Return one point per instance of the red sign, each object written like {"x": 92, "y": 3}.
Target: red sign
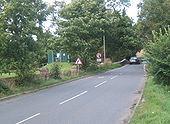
{"x": 99, "y": 55}
{"x": 78, "y": 61}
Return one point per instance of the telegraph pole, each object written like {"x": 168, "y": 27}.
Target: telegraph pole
{"x": 104, "y": 47}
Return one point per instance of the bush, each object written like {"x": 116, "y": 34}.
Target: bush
{"x": 158, "y": 54}
{"x": 4, "y": 88}
{"x": 55, "y": 71}
{"x": 92, "y": 67}
{"x": 25, "y": 79}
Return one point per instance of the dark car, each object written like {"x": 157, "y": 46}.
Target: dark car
{"x": 134, "y": 60}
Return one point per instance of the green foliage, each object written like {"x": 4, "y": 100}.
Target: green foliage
{"x": 155, "y": 108}
{"x": 92, "y": 67}
{"x": 158, "y": 53}
{"x": 55, "y": 71}
{"x": 121, "y": 37}
{"x": 64, "y": 66}
{"x": 81, "y": 28}
{"x": 20, "y": 35}
{"x": 153, "y": 16}
{"x": 117, "y": 4}
{"x": 26, "y": 78}
{"x": 3, "y": 88}
{"x": 84, "y": 24}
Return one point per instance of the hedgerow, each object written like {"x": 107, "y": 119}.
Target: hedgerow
{"x": 158, "y": 54}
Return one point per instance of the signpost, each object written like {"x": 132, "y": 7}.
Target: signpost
{"x": 78, "y": 63}
{"x": 99, "y": 57}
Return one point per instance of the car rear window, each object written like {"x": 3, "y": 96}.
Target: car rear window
{"x": 133, "y": 58}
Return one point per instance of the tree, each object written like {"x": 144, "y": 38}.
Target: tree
{"x": 21, "y": 29}
{"x": 153, "y": 16}
{"x": 81, "y": 28}
{"x": 121, "y": 37}
{"x": 83, "y": 23}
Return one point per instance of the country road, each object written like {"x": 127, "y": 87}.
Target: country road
{"x": 105, "y": 98}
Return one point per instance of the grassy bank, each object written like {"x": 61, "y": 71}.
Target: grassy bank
{"x": 155, "y": 108}
{"x": 42, "y": 83}
{"x": 64, "y": 66}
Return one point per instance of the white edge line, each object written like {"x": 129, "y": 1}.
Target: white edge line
{"x": 73, "y": 97}
{"x": 28, "y": 118}
{"x": 114, "y": 77}
{"x": 100, "y": 84}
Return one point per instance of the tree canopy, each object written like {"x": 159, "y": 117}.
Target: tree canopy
{"x": 153, "y": 16}
{"x": 83, "y": 23}
{"x": 20, "y": 32}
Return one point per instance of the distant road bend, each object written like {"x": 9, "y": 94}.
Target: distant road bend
{"x": 105, "y": 98}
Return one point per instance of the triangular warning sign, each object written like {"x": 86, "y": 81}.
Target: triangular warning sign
{"x": 78, "y": 61}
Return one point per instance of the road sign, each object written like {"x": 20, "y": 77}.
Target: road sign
{"x": 78, "y": 61}
{"x": 99, "y": 60}
{"x": 99, "y": 55}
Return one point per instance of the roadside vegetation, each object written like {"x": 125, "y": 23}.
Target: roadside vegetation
{"x": 155, "y": 33}
{"x": 155, "y": 106}
{"x": 79, "y": 31}
{"x": 10, "y": 88}
{"x": 81, "y": 27}
{"x": 158, "y": 54}
{"x": 64, "y": 66}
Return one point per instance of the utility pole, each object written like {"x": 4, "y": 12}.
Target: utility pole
{"x": 104, "y": 47}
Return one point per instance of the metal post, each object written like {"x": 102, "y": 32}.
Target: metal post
{"x": 104, "y": 47}
{"x": 78, "y": 69}
{"x": 52, "y": 57}
{"x": 60, "y": 56}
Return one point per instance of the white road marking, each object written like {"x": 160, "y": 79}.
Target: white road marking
{"x": 100, "y": 84}
{"x": 114, "y": 77}
{"x": 88, "y": 77}
{"x": 73, "y": 97}
{"x": 28, "y": 118}
{"x": 100, "y": 77}
{"x": 144, "y": 67}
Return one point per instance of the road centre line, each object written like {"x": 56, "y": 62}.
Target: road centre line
{"x": 114, "y": 77}
{"x": 100, "y": 77}
{"x": 100, "y": 84}
{"x": 73, "y": 97}
{"x": 28, "y": 118}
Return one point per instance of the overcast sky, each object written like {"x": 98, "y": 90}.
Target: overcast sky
{"x": 132, "y": 11}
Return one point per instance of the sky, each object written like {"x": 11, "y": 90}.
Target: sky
{"x": 132, "y": 11}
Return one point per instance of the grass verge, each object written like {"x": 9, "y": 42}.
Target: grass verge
{"x": 155, "y": 109}
{"x": 43, "y": 83}
{"x": 63, "y": 65}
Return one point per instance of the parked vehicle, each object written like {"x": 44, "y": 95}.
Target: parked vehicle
{"x": 134, "y": 60}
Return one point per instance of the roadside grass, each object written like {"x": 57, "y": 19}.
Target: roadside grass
{"x": 43, "y": 83}
{"x": 64, "y": 67}
{"x": 7, "y": 75}
{"x": 156, "y": 106}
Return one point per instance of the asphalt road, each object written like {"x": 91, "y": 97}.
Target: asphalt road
{"x": 105, "y": 98}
